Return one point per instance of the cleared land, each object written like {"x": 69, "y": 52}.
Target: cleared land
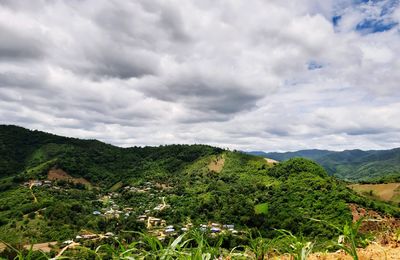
{"x": 217, "y": 165}
{"x": 59, "y": 174}
{"x": 385, "y": 191}
{"x": 44, "y": 247}
{"x": 271, "y": 161}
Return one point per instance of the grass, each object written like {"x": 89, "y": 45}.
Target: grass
{"x": 389, "y": 192}
{"x": 196, "y": 245}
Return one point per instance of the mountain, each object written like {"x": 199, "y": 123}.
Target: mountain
{"x": 310, "y": 154}
{"x": 53, "y": 188}
{"x": 350, "y": 165}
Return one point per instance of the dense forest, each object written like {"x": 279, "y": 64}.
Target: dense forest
{"x": 199, "y": 184}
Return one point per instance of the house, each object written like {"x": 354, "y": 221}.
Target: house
{"x": 203, "y": 227}
{"x": 96, "y": 213}
{"x": 215, "y": 230}
{"x": 154, "y": 221}
{"x": 141, "y": 218}
{"x": 184, "y": 229}
{"x": 67, "y": 242}
{"x": 229, "y": 226}
{"x": 89, "y": 236}
{"x": 169, "y": 230}
{"x": 215, "y": 225}
{"x": 37, "y": 183}
{"x": 109, "y": 234}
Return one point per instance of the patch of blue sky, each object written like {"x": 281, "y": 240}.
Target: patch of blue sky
{"x": 336, "y": 19}
{"x": 313, "y": 65}
{"x": 374, "y": 26}
{"x": 372, "y": 22}
{"x": 389, "y": 7}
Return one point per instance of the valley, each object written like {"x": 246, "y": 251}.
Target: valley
{"x": 79, "y": 195}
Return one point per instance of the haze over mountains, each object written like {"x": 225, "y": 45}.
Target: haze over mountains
{"x": 352, "y": 165}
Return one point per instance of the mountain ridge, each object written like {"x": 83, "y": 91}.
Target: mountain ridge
{"x": 350, "y": 165}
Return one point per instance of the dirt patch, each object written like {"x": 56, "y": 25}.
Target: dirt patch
{"x": 163, "y": 186}
{"x": 382, "y": 226}
{"x": 217, "y": 164}
{"x": 271, "y": 161}
{"x": 385, "y": 191}
{"x": 2, "y": 247}
{"x": 44, "y": 247}
{"x": 59, "y": 174}
{"x": 371, "y": 252}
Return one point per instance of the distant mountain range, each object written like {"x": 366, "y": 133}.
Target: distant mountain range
{"x": 351, "y": 165}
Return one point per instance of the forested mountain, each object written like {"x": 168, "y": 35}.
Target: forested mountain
{"x": 112, "y": 189}
{"x": 352, "y": 165}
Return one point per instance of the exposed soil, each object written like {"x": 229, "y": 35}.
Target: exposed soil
{"x": 385, "y": 191}
{"x": 59, "y": 174}
{"x": 162, "y": 186}
{"x": 217, "y": 165}
{"x": 371, "y": 252}
{"x": 44, "y": 247}
{"x": 271, "y": 161}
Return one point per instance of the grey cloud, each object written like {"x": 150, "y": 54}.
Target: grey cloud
{"x": 27, "y": 80}
{"x": 232, "y": 74}
{"x": 17, "y": 46}
{"x": 110, "y": 62}
{"x": 365, "y": 131}
{"x": 205, "y": 93}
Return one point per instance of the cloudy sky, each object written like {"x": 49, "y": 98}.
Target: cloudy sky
{"x": 270, "y": 75}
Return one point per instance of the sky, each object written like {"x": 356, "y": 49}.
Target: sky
{"x": 276, "y": 75}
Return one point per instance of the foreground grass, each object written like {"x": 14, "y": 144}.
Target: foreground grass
{"x": 196, "y": 245}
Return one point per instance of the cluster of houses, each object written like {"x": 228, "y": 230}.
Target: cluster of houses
{"x": 88, "y": 237}
{"x": 159, "y": 227}
{"x": 216, "y": 228}
{"x": 148, "y": 187}
{"x": 113, "y": 210}
{"x": 38, "y": 183}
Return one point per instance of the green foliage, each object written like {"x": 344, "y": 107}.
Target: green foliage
{"x": 247, "y": 192}
{"x": 261, "y": 208}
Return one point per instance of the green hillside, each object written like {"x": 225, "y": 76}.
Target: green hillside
{"x": 179, "y": 184}
{"x": 351, "y": 165}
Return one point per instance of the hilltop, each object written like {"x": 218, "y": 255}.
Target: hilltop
{"x": 351, "y": 165}
{"x": 54, "y": 188}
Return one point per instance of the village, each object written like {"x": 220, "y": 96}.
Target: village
{"x": 154, "y": 225}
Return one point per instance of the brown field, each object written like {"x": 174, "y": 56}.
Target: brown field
{"x": 385, "y": 191}
{"x": 271, "y": 161}
{"x": 371, "y": 252}
{"x": 44, "y": 247}
{"x": 59, "y": 174}
{"x": 217, "y": 165}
